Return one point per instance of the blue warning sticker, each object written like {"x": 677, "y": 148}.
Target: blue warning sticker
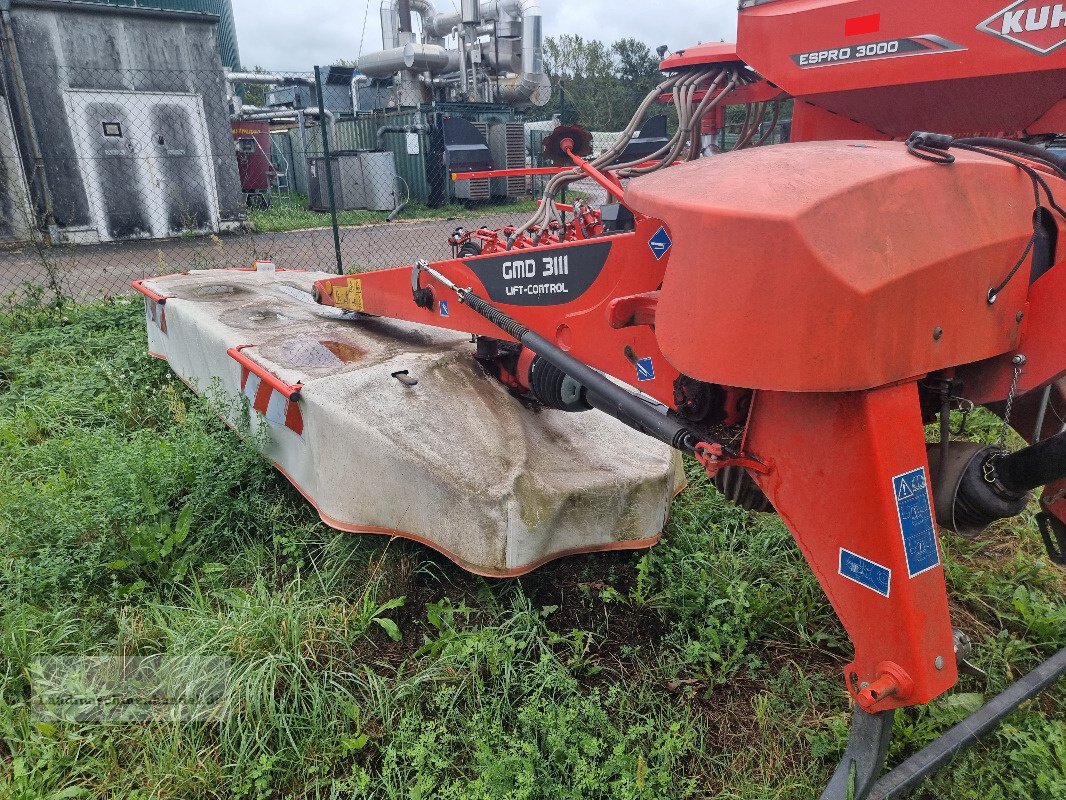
{"x": 444, "y": 308}
{"x": 661, "y": 243}
{"x": 865, "y": 572}
{"x": 645, "y": 370}
{"x": 916, "y": 521}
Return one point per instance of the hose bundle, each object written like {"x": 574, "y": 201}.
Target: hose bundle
{"x": 684, "y": 88}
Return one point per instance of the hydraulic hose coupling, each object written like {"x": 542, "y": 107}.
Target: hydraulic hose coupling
{"x": 892, "y": 681}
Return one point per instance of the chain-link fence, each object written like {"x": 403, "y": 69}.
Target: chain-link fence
{"x": 110, "y": 175}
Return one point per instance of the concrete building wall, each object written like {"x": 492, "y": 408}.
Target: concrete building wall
{"x": 223, "y": 9}
{"x": 136, "y": 59}
{"x": 15, "y": 214}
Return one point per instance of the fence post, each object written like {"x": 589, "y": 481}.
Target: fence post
{"x": 324, "y": 128}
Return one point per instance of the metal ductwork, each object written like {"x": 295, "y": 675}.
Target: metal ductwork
{"x": 264, "y": 78}
{"x": 390, "y": 22}
{"x": 532, "y": 85}
{"x": 471, "y": 10}
{"x": 527, "y": 84}
{"x": 430, "y": 58}
{"x": 442, "y": 24}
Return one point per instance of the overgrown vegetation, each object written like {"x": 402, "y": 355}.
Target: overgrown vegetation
{"x": 290, "y": 213}
{"x": 132, "y": 521}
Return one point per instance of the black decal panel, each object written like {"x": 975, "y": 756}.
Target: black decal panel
{"x": 541, "y": 277}
{"x": 870, "y": 51}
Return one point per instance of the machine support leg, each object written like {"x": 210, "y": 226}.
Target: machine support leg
{"x": 849, "y": 476}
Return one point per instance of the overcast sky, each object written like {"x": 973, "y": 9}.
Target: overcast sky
{"x": 287, "y": 35}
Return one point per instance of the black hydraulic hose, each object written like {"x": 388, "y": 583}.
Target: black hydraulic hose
{"x": 1033, "y": 466}
{"x": 1020, "y": 148}
{"x": 603, "y": 393}
{"x": 924, "y": 763}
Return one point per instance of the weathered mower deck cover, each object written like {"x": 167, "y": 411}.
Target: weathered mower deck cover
{"x": 454, "y": 462}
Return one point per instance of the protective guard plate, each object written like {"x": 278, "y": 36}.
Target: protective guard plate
{"x": 454, "y": 462}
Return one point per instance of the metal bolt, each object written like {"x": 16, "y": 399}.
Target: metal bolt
{"x": 1020, "y": 316}
{"x": 1019, "y": 360}
{"x": 938, "y": 332}
{"x": 939, "y": 663}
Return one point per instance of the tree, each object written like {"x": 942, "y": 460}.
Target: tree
{"x": 604, "y": 84}
{"x": 253, "y": 94}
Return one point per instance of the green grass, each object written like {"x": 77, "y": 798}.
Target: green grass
{"x": 291, "y": 213}
{"x": 132, "y": 521}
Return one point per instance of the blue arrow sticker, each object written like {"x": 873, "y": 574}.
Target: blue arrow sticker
{"x": 645, "y": 370}
{"x": 660, "y": 244}
{"x": 865, "y": 572}
{"x": 444, "y": 308}
{"x": 916, "y": 521}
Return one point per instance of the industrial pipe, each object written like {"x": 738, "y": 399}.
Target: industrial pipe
{"x": 415, "y": 57}
{"x": 357, "y": 81}
{"x": 269, "y": 115}
{"x": 403, "y": 10}
{"x": 442, "y": 24}
{"x": 264, "y": 78}
{"x": 531, "y": 85}
{"x": 390, "y": 21}
{"x": 258, "y": 112}
{"x": 384, "y": 129}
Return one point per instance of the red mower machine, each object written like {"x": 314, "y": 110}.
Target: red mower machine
{"x": 794, "y": 315}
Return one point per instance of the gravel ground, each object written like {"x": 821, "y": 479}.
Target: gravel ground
{"x": 91, "y": 271}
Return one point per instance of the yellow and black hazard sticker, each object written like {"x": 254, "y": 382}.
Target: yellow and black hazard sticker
{"x": 349, "y": 296}
{"x": 355, "y": 294}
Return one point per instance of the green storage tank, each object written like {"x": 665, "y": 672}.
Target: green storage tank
{"x": 223, "y": 9}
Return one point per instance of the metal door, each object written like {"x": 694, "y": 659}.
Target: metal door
{"x": 145, "y": 158}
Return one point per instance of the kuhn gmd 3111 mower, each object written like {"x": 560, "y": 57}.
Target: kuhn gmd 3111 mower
{"x": 794, "y": 315}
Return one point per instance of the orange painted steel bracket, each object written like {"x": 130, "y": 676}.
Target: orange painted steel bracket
{"x": 290, "y": 391}
{"x": 589, "y": 275}
{"x": 714, "y": 458}
{"x": 607, "y": 181}
{"x": 851, "y": 483}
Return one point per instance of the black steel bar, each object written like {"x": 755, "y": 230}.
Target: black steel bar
{"x": 939, "y": 754}
{"x": 329, "y": 169}
{"x": 864, "y": 757}
{"x": 603, "y": 393}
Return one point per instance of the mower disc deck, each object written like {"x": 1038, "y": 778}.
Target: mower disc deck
{"x": 390, "y": 427}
